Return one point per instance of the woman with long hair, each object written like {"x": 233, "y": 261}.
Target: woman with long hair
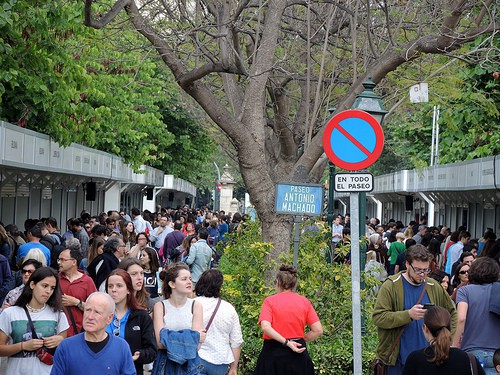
{"x": 127, "y": 230}
{"x": 283, "y": 318}
{"x": 131, "y": 321}
{"x": 178, "y": 312}
{"x": 460, "y": 278}
{"x": 96, "y": 248}
{"x": 151, "y": 264}
{"x": 40, "y": 302}
{"x": 438, "y": 358}
{"x": 136, "y": 271}
{"x": 186, "y": 245}
{"x": 443, "y": 278}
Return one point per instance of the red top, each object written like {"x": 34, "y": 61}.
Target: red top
{"x": 288, "y": 314}
{"x": 80, "y": 288}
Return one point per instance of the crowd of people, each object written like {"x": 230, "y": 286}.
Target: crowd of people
{"x": 115, "y": 294}
{"x": 128, "y": 294}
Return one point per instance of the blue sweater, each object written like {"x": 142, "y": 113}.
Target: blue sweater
{"x": 74, "y": 357}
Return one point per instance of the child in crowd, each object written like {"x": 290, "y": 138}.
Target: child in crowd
{"x": 496, "y": 360}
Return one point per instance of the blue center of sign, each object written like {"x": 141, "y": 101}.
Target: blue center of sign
{"x": 352, "y": 139}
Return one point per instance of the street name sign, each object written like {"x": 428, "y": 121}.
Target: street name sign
{"x": 353, "y": 182}
{"x": 353, "y": 140}
{"x": 295, "y": 199}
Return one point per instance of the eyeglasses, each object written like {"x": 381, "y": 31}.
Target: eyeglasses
{"x": 59, "y": 260}
{"x": 464, "y": 272}
{"x": 29, "y": 272}
{"x": 116, "y": 323}
{"x": 420, "y": 271}
{"x": 142, "y": 238}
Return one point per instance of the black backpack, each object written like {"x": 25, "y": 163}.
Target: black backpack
{"x": 59, "y": 246}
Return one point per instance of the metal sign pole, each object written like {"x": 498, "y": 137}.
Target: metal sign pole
{"x": 296, "y": 239}
{"x": 356, "y": 291}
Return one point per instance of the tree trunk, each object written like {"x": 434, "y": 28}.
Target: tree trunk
{"x": 276, "y": 229}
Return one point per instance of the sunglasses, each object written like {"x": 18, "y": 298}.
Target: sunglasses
{"x": 464, "y": 272}
{"x": 29, "y": 272}
{"x": 116, "y": 323}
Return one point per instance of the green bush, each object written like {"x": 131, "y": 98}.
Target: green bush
{"x": 327, "y": 286}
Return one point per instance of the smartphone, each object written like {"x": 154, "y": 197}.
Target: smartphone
{"x": 428, "y": 305}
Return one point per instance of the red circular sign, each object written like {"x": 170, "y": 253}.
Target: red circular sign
{"x": 353, "y": 140}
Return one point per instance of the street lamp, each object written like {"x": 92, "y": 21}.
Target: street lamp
{"x": 370, "y": 102}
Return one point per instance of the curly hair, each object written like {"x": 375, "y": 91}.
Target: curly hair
{"x": 484, "y": 270}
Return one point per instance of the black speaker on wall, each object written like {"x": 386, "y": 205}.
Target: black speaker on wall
{"x": 187, "y": 201}
{"x": 170, "y": 197}
{"x": 409, "y": 203}
{"x": 90, "y": 191}
{"x": 336, "y": 205}
{"x": 149, "y": 194}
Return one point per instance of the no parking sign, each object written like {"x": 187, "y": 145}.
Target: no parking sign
{"x": 353, "y": 140}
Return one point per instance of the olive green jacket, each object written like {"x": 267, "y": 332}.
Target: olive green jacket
{"x": 390, "y": 318}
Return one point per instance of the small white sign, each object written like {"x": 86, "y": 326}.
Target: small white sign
{"x": 353, "y": 182}
{"x": 419, "y": 93}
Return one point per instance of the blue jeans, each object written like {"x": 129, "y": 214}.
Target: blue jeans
{"x": 211, "y": 369}
{"x": 485, "y": 358}
{"x": 397, "y": 369}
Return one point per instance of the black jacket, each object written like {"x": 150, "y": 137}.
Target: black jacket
{"x": 110, "y": 263}
{"x": 139, "y": 334}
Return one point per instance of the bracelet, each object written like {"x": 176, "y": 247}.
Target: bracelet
{"x": 286, "y": 342}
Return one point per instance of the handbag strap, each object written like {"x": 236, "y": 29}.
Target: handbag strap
{"x": 213, "y": 315}
{"x": 73, "y": 323}
{"x": 30, "y": 322}
{"x": 395, "y": 343}
{"x": 473, "y": 364}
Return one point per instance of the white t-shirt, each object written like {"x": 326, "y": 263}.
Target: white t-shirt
{"x": 14, "y": 323}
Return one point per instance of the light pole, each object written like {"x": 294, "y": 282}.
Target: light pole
{"x": 217, "y": 189}
{"x": 370, "y": 102}
{"x": 331, "y": 181}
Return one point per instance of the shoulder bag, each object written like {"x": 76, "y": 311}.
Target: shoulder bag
{"x": 44, "y": 354}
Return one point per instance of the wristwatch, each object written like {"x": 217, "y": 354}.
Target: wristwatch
{"x": 79, "y": 304}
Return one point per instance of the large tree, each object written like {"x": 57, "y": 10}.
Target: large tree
{"x": 78, "y": 84}
{"x": 266, "y": 71}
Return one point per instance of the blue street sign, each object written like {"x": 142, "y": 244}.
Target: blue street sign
{"x": 293, "y": 199}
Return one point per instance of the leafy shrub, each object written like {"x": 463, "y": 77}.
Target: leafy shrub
{"x": 327, "y": 286}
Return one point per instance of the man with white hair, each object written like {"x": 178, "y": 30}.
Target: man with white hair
{"x": 94, "y": 351}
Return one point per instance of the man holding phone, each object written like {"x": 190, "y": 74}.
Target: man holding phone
{"x": 400, "y": 307}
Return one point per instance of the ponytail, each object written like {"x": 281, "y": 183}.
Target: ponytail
{"x": 438, "y": 321}
{"x": 441, "y": 346}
